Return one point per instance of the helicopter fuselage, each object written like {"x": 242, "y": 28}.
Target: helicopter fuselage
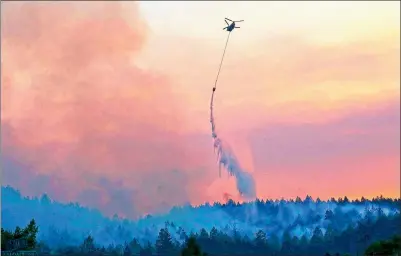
{"x": 231, "y": 27}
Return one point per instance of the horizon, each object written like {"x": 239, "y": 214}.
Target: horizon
{"x": 211, "y": 204}
{"x": 107, "y": 103}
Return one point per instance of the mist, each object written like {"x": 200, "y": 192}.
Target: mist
{"x": 68, "y": 224}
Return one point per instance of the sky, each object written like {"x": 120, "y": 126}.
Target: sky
{"x": 107, "y": 103}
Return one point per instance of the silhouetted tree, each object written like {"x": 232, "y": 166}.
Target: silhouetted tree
{"x": 147, "y": 250}
{"x": 134, "y": 246}
{"x": 213, "y": 234}
{"x": 88, "y": 245}
{"x": 183, "y": 235}
{"x": 329, "y": 215}
{"x": 273, "y": 243}
{"x": 30, "y": 233}
{"x": 303, "y": 245}
{"x": 286, "y": 245}
{"x": 5, "y": 237}
{"x": 18, "y": 233}
{"x": 164, "y": 243}
{"x": 203, "y": 238}
{"x": 192, "y": 248}
{"x": 316, "y": 241}
{"x": 260, "y": 239}
{"x": 127, "y": 250}
{"x": 385, "y": 247}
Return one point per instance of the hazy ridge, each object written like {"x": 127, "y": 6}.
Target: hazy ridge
{"x": 68, "y": 224}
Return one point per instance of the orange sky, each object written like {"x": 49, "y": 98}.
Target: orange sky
{"x": 106, "y": 103}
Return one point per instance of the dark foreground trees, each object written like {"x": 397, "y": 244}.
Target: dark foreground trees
{"x": 351, "y": 241}
{"x": 27, "y": 234}
{"x": 391, "y": 247}
{"x": 192, "y": 248}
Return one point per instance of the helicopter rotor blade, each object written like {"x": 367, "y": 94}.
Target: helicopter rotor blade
{"x": 238, "y": 20}
{"x": 225, "y": 28}
{"x": 227, "y": 19}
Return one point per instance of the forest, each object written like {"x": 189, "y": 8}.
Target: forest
{"x": 264, "y": 227}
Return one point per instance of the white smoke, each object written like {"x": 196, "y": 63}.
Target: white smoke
{"x": 227, "y": 160}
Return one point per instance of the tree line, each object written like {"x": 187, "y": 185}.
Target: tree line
{"x": 367, "y": 237}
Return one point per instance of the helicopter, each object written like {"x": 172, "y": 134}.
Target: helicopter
{"x": 230, "y": 27}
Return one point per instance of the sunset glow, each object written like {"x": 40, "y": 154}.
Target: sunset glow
{"x": 107, "y": 103}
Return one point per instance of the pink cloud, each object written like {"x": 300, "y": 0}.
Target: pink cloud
{"x": 81, "y": 121}
{"x": 92, "y": 113}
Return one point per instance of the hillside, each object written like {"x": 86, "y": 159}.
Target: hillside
{"x": 63, "y": 225}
